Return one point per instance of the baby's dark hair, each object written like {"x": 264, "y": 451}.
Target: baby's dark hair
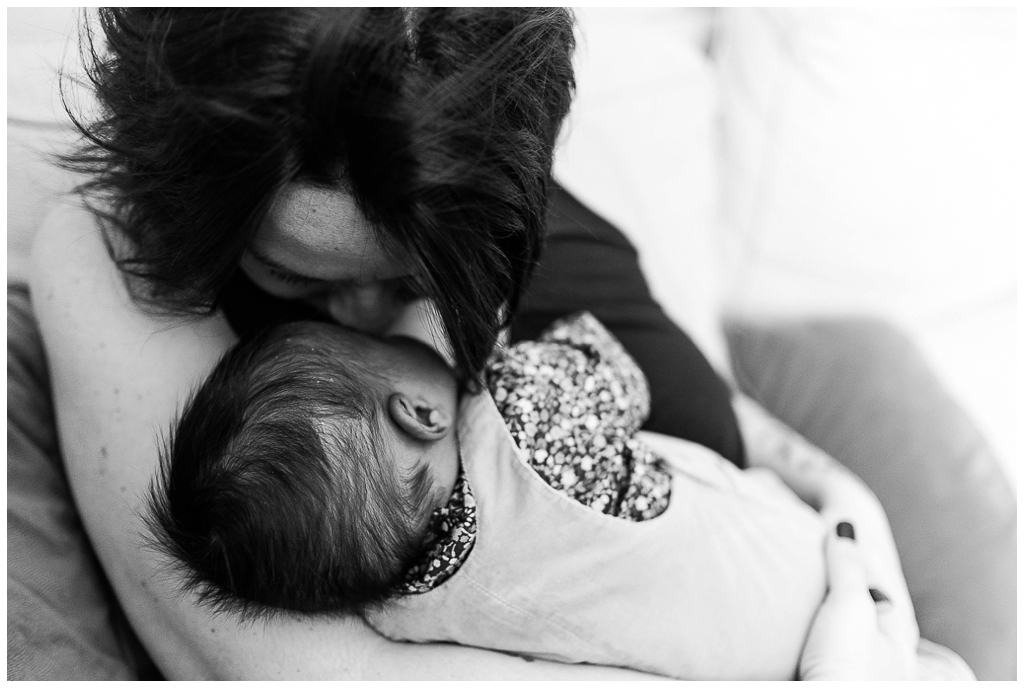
{"x": 441, "y": 122}
{"x": 274, "y": 490}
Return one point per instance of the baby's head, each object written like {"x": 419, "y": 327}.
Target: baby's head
{"x": 303, "y": 472}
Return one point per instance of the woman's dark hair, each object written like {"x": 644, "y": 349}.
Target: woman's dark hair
{"x": 275, "y": 489}
{"x": 439, "y": 121}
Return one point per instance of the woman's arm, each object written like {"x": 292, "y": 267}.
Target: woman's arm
{"x": 119, "y": 376}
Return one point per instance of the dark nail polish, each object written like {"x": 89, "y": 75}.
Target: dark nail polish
{"x": 877, "y": 595}
{"x": 845, "y": 529}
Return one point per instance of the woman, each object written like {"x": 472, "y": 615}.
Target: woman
{"x": 227, "y": 180}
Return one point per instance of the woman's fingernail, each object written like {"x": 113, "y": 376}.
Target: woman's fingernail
{"x": 845, "y": 529}
{"x": 877, "y": 595}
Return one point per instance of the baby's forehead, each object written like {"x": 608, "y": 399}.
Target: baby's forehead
{"x": 308, "y": 341}
{"x": 313, "y": 333}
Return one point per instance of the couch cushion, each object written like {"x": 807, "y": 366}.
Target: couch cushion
{"x": 62, "y": 620}
{"x": 861, "y": 391}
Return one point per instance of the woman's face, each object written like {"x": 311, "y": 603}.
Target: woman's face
{"x": 316, "y": 246}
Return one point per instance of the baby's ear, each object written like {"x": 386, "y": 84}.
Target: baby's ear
{"x": 418, "y": 417}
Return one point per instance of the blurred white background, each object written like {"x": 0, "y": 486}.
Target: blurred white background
{"x": 817, "y": 161}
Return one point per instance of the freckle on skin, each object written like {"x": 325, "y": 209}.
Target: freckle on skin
{"x": 103, "y": 452}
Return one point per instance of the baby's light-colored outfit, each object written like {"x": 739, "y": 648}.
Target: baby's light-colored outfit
{"x": 567, "y": 538}
{"x": 680, "y": 565}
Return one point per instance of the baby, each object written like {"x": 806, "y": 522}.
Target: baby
{"x": 341, "y": 448}
{"x": 322, "y": 470}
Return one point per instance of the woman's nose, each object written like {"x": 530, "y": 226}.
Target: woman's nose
{"x": 369, "y": 307}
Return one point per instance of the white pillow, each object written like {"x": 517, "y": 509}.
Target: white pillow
{"x": 639, "y": 149}
{"x": 871, "y": 166}
{"x": 870, "y": 157}
{"x": 37, "y": 126}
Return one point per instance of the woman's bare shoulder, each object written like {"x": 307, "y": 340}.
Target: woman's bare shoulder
{"x": 65, "y": 228}
{"x": 75, "y": 280}
{"x": 71, "y": 266}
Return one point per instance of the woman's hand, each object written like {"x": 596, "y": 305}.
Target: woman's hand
{"x": 854, "y": 637}
{"x": 848, "y": 499}
{"x": 835, "y": 492}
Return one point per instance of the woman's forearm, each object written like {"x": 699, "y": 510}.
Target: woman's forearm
{"x": 333, "y": 649}
{"x": 806, "y": 469}
{"x": 220, "y": 647}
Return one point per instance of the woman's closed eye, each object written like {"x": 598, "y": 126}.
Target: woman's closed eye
{"x": 281, "y": 282}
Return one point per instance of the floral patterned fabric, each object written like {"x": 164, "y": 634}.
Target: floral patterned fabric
{"x": 573, "y": 401}
{"x": 450, "y": 537}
